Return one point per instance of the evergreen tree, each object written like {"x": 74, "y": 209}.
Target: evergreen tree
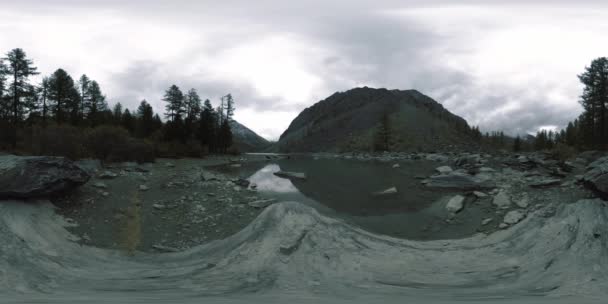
{"x": 175, "y": 103}
{"x": 63, "y": 96}
{"x": 192, "y": 105}
{"x": 229, "y": 104}
{"x": 594, "y": 100}
{"x": 145, "y": 115}
{"x": 117, "y": 113}
{"x": 207, "y": 126}
{"x": 128, "y": 122}
{"x": 95, "y": 103}
{"x": 83, "y": 84}
{"x": 44, "y": 95}
{"x": 517, "y": 144}
{"x": 19, "y": 69}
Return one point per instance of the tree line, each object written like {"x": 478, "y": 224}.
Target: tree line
{"x": 59, "y": 100}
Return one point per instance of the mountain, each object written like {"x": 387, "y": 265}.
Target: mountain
{"x": 245, "y": 139}
{"x": 348, "y": 121}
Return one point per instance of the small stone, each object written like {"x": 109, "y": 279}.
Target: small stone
{"x": 170, "y": 165}
{"x": 479, "y": 194}
{"x": 158, "y": 206}
{"x": 108, "y": 175}
{"x": 444, "y": 169}
{"x": 143, "y": 188}
{"x": 395, "y": 166}
{"x": 523, "y": 203}
{"x": 389, "y": 191}
{"x": 100, "y": 185}
{"x": 486, "y": 221}
{"x": 503, "y": 226}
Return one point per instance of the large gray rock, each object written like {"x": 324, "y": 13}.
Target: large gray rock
{"x": 596, "y": 176}
{"x": 460, "y": 180}
{"x": 38, "y": 176}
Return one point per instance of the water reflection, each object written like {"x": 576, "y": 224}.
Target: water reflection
{"x": 343, "y": 189}
{"x": 267, "y": 181}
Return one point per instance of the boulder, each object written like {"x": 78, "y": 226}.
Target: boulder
{"x": 286, "y": 174}
{"x": 479, "y": 194}
{"x": 38, "y": 176}
{"x": 502, "y": 200}
{"x": 460, "y": 180}
{"x": 455, "y": 204}
{"x": 596, "y": 177}
{"x": 513, "y": 217}
{"x": 468, "y": 160}
{"x": 444, "y": 169}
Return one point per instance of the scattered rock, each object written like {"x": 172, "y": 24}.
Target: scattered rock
{"x": 395, "y": 166}
{"x": 262, "y": 203}
{"x": 286, "y": 174}
{"x": 162, "y": 248}
{"x": 108, "y": 175}
{"x": 502, "y": 200}
{"x": 545, "y": 183}
{"x": 242, "y": 182}
{"x": 524, "y": 202}
{"x": 455, "y": 204}
{"x": 170, "y": 165}
{"x": 486, "y": 221}
{"x": 503, "y": 226}
{"x": 158, "y": 206}
{"x": 100, "y": 185}
{"x": 444, "y": 169}
{"x": 479, "y": 194}
{"x": 513, "y": 217}
{"x": 389, "y": 191}
{"x": 38, "y": 176}
{"x": 143, "y": 188}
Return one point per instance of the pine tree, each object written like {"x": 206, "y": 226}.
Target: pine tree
{"x": 145, "y": 115}
{"x": 517, "y": 144}
{"x": 594, "y": 100}
{"x": 229, "y": 104}
{"x": 63, "y": 95}
{"x": 20, "y": 68}
{"x": 117, "y": 113}
{"x": 175, "y": 103}
{"x": 192, "y": 105}
{"x": 83, "y": 84}
{"x": 44, "y": 95}
{"x": 95, "y": 103}
{"x": 207, "y": 126}
{"x": 128, "y": 122}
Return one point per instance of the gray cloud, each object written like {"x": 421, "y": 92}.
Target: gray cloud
{"x": 357, "y": 45}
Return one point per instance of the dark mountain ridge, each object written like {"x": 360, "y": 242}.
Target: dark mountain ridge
{"x": 346, "y": 121}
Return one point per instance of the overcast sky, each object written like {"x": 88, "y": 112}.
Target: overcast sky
{"x": 503, "y": 65}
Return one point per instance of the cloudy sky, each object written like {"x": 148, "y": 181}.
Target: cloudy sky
{"x": 503, "y": 65}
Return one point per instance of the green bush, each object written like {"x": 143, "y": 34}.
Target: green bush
{"x": 111, "y": 143}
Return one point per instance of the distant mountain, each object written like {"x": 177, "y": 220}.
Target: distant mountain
{"x": 347, "y": 121}
{"x": 247, "y": 140}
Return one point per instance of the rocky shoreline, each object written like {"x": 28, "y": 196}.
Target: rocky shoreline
{"x": 173, "y": 205}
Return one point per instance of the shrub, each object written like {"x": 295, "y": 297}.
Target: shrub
{"x": 104, "y": 141}
{"x": 55, "y": 140}
{"x": 563, "y": 152}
